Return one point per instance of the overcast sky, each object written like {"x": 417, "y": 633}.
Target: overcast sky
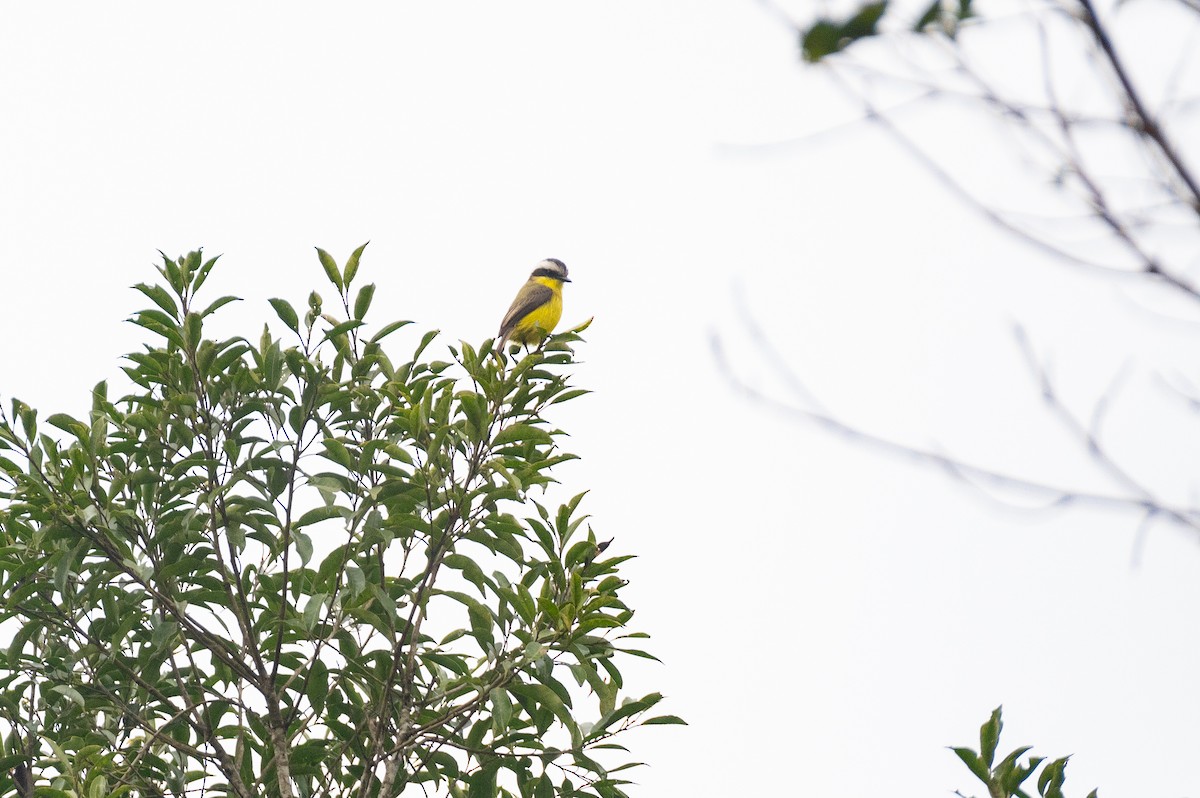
{"x": 828, "y": 620}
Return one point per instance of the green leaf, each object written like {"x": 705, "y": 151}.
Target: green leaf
{"x": 192, "y": 331}
{"x": 161, "y": 297}
{"x": 68, "y": 692}
{"x": 483, "y": 783}
{"x": 312, "y": 610}
{"x": 521, "y": 432}
{"x": 339, "y": 329}
{"x": 317, "y": 688}
{"x": 331, "y": 269}
{"x": 481, "y": 623}
{"x": 220, "y": 303}
{"x": 502, "y": 709}
{"x": 665, "y": 720}
{"x": 542, "y": 695}
{"x": 989, "y": 736}
{"x": 387, "y": 330}
{"x": 352, "y": 266}
{"x": 821, "y": 39}
{"x": 1051, "y": 781}
{"x": 321, "y": 514}
{"x": 826, "y": 37}
{"x": 304, "y": 546}
{"x": 336, "y": 451}
{"x": 863, "y": 23}
{"x": 356, "y": 579}
{"x": 286, "y": 313}
{"x": 974, "y": 764}
{"x": 202, "y": 273}
{"x": 363, "y": 301}
{"x": 67, "y": 424}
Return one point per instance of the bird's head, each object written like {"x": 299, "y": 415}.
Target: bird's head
{"x": 553, "y": 268}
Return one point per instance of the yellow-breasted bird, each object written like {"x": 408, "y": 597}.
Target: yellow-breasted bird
{"x": 538, "y": 306}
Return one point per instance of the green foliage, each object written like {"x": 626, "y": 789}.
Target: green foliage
{"x": 944, "y": 17}
{"x": 306, "y": 566}
{"x": 826, "y": 36}
{"x": 1005, "y": 778}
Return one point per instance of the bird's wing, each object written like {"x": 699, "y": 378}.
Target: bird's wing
{"x": 529, "y": 298}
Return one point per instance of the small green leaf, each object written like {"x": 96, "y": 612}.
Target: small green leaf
{"x": 336, "y": 451}
{"x": 356, "y": 579}
{"x": 342, "y": 328}
{"x": 1051, "y": 781}
{"x": 665, "y": 720}
{"x": 286, "y": 313}
{"x": 387, "y": 330}
{"x": 989, "y": 736}
{"x": 363, "y": 301}
{"x": 820, "y": 40}
{"x": 974, "y": 764}
{"x": 217, "y": 305}
{"x": 304, "y": 546}
{"x": 202, "y": 273}
{"x": 352, "y": 265}
{"x": 502, "y": 709}
{"x": 331, "y": 269}
{"x": 321, "y": 514}
{"x": 192, "y": 331}
{"x": 67, "y": 424}
{"x": 544, "y": 696}
{"x": 69, "y": 692}
{"x": 521, "y": 432}
{"x": 864, "y": 23}
{"x": 161, "y": 297}
{"x": 317, "y": 688}
{"x": 826, "y": 37}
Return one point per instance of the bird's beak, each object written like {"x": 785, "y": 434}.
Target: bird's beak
{"x": 564, "y": 279}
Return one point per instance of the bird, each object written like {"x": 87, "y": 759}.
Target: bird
{"x": 538, "y": 305}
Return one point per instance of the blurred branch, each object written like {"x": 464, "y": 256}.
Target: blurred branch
{"x": 807, "y": 410}
{"x": 1127, "y": 207}
{"x": 1089, "y": 436}
{"x": 948, "y": 181}
{"x": 1142, "y": 120}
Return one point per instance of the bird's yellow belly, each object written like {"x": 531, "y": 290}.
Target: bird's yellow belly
{"x": 538, "y": 323}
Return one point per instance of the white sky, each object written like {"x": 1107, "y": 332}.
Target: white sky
{"x": 829, "y": 620}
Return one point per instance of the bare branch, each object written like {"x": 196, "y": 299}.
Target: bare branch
{"x": 1142, "y": 119}
{"x": 1052, "y": 495}
{"x": 959, "y": 190}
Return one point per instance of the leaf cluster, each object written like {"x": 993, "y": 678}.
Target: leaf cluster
{"x": 826, "y": 36}
{"x": 1004, "y": 779}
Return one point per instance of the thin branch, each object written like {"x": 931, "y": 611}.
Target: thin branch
{"x": 1056, "y": 495}
{"x": 1144, "y": 121}
{"x": 959, "y": 190}
{"x": 1094, "y": 446}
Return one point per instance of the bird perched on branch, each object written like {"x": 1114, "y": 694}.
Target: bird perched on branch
{"x": 538, "y": 306}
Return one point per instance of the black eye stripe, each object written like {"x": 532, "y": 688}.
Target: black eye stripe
{"x": 548, "y": 273}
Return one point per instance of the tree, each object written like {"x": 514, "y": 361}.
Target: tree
{"x": 307, "y": 567}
